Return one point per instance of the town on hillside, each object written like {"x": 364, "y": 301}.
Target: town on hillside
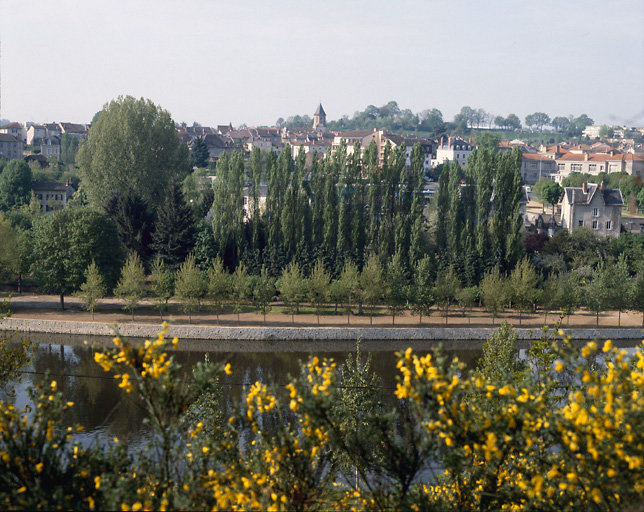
{"x": 597, "y": 152}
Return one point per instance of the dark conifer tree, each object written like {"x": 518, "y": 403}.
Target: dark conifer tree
{"x": 199, "y": 153}
{"x": 135, "y": 223}
{"x": 173, "y": 236}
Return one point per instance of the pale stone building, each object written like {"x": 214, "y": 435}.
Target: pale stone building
{"x": 592, "y": 206}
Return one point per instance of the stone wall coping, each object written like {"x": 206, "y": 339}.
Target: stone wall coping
{"x": 210, "y": 332}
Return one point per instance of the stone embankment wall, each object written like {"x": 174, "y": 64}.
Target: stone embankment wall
{"x": 209, "y": 332}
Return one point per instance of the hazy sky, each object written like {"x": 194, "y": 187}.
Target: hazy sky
{"x": 251, "y": 62}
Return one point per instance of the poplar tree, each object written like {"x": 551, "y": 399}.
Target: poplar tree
{"x": 374, "y": 196}
{"x": 93, "y": 288}
{"x": 417, "y": 220}
{"x": 442, "y": 205}
{"x": 131, "y": 285}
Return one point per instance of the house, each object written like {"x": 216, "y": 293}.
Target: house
{"x": 50, "y": 147}
{"x": 262, "y": 192}
{"x": 53, "y": 195}
{"x": 595, "y": 163}
{"x": 535, "y": 166}
{"x": 10, "y": 147}
{"x": 36, "y": 132}
{"x": 74, "y": 130}
{"x": 593, "y": 206}
{"x": 16, "y": 130}
{"x": 452, "y": 149}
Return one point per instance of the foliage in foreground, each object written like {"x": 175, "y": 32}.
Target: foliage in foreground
{"x": 564, "y": 434}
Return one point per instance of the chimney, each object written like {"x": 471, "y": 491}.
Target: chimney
{"x": 584, "y": 187}
{"x": 586, "y": 157}
{"x": 601, "y": 186}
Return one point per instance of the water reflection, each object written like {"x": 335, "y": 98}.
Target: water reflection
{"x": 106, "y": 411}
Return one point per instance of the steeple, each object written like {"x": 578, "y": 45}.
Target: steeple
{"x": 319, "y": 119}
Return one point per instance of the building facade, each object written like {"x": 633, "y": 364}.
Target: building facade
{"x": 592, "y": 206}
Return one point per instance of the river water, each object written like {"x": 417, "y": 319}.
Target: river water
{"x": 106, "y": 411}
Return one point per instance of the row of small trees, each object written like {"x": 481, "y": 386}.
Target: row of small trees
{"x": 607, "y": 287}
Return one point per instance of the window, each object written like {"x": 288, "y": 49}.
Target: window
{"x": 592, "y": 167}
{"x": 576, "y": 167}
{"x": 609, "y": 226}
{"x": 561, "y": 167}
{"x": 594, "y": 224}
{"x": 595, "y": 212}
{"x": 581, "y": 223}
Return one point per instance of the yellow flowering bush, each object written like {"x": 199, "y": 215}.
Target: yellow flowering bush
{"x": 567, "y": 435}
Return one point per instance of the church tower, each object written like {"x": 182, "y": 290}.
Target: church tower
{"x": 319, "y": 119}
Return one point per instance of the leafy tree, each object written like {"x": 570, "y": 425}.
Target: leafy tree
{"x": 199, "y": 153}
{"x": 162, "y": 285}
{"x": 9, "y": 248}
{"x": 467, "y": 298}
{"x": 218, "y": 284}
{"x": 133, "y": 145}
{"x": 134, "y": 221}
{"x": 189, "y": 285}
{"x": 606, "y": 132}
{"x": 93, "y": 288}
{"x": 318, "y": 286}
{"x": 637, "y": 294}
{"x": 15, "y": 185}
{"x": 397, "y": 289}
{"x": 597, "y": 292}
{"x": 538, "y": 119}
{"x": 423, "y": 298}
{"x": 372, "y": 283}
{"x": 620, "y": 298}
{"x": 493, "y": 292}
{"x": 499, "y": 362}
{"x": 513, "y": 122}
{"x": 292, "y": 288}
{"x": 568, "y": 294}
{"x": 522, "y": 286}
{"x": 66, "y": 242}
{"x": 561, "y": 124}
{"x": 240, "y": 284}
{"x": 445, "y": 289}
{"x": 346, "y": 289}
{"x": 264, "y": 290}
{"x": 173, "y": 235}
{"x": 548, "y": 192}
{"x": 131, "y": 285}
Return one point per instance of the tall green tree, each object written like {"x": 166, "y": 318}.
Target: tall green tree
{"x": 548, "y": 192}
{"x": 131, "y": 285}
{"x": 66, "y": 242}
{"x": 637, "y": 294}
{"x": 346, "y": 289}
{"x": 173, "y": 235}
{"x": 15, "y": 185}
{"x": 133, "y": 145}
{"x": 92, "y": 289}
